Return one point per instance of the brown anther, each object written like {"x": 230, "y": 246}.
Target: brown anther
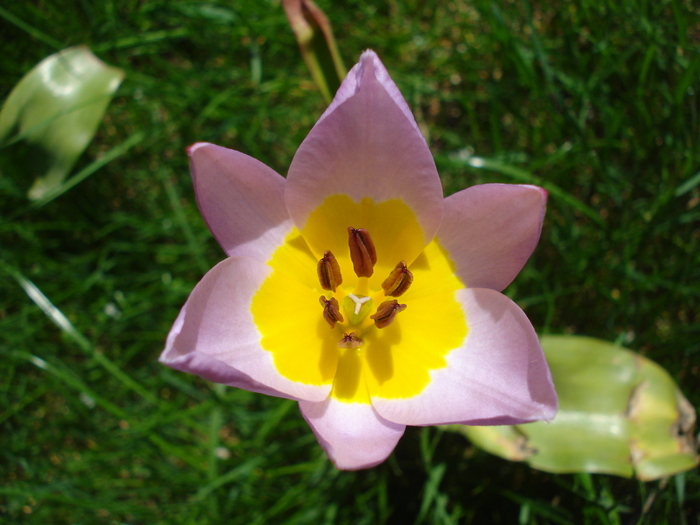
{"x": 328, "y": 271}
{"x": 331, "y": 312}
{"x": 386, "y": 313}
{"x": 398, "y": 281}
{"x": 350, "y": 340}
{"x": 362, "y": 252}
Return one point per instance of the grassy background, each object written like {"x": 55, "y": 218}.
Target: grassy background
{"x": 595, "y": 100}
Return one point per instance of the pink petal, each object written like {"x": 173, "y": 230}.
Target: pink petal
{"x": 241, "y": 199}
{"x": 215, "y": 336}
{"x": 491, "y": 230}
{"x": 499, "y": 376}
{"x": 350, "y": 86}
{"x": 353, "y": 435}
{"x": 367, "y": 144}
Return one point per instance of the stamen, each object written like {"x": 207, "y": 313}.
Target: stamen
{"x": 359, "y": 301}
{"x": 331, "y": 312}
{"x": 386, "y": 313}
{"x": 362, "y": 252}
{"x": 350, "y": 340}
{"x": 328, "y": 271}
{"x": 398, "y": 281}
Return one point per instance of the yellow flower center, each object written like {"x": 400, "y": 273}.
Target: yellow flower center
{"x": 381, "y": 326}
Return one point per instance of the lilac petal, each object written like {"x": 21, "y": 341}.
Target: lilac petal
{"x": 215, "y": 336}
{"x": 353, "y": 435}
{"x": 216, "y": 371}
{"x": 499, "y": 376}
{"x": 366, "y": 145}
{"x": 350, "y": 86}
{"x": 241, "y": 199}
{"x": 491, "y": 230}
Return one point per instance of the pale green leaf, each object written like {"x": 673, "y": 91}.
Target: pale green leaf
{"x": 56, "y": 108}
{"x": 619, "y": 413}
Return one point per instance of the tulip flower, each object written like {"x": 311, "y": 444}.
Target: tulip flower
{"x": 353, "y": 287}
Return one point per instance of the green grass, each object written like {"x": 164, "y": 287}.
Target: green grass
{"x": 595, "y": 100}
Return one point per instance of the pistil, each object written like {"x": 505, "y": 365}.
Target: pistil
{"x": 359, "y": 301}
{"x": 356, "y": 308}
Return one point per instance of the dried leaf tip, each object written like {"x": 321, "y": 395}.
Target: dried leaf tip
{"x": 331, "y": 311}
{"x": 328, "y": 271}
{"x": 386, "y": 313}
{"x": 398, "y": 281}
{"x": 362, "y": 251}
